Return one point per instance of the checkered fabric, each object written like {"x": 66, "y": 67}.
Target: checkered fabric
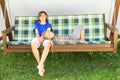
{"x": 78, "y": 42}
{"x": 94, "y": 25}
{"x": 24, "y": 28}
{"x": 84, "y": 42}
{"x": 62, "y": 25}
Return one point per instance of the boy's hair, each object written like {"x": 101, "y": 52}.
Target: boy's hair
{"x": 40, "y": 13}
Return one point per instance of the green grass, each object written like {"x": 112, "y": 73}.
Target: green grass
{"x": 61, "y": 66}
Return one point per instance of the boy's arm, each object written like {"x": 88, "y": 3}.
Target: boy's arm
{"x": 38, "y": 37}
{"x": 49, "y": 29}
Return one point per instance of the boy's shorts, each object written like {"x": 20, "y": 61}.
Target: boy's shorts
{"x": 38, "y": 44}
{"x": 76, "y": 32}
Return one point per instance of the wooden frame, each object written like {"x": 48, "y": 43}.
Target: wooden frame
{"x": 58, "y": 48}
{"x": 66, "y": 48}
{"x": 115, "y": 14}
{"x": 6, "y": 18}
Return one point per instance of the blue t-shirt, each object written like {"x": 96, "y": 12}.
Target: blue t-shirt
{"x": 42, "y": 27}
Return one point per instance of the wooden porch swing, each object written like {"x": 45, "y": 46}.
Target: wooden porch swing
{"x": 59, "y": 48}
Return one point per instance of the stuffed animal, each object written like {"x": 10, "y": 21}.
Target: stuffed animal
{"x": 48, "y": 35}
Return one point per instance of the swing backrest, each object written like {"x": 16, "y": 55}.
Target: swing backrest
{"x": 62, "y": 25}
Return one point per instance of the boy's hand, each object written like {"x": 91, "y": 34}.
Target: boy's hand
{"x": 41, "y": 39}
{"x": 49, "y": 34}
{"x": 48, "y": 29}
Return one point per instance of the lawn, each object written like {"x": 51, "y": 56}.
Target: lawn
{"x": 61, "y": 66}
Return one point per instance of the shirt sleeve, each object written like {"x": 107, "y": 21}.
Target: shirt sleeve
{"x": 50, "y": 26}
{"x": 35, "y": 27}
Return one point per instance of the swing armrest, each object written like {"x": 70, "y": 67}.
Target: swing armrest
{"x": 113, "y": 34}
{"x": 112, "y": 29}
{"x": 4, "y": 36}
{"x": 8, "y": 30}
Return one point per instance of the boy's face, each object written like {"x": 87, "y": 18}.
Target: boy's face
{"x": 43, "y": 17}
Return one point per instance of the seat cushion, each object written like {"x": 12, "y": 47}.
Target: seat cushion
{"x": 78, "y": 42}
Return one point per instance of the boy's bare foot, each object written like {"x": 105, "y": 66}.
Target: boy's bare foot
{"x": 41, "y": 70}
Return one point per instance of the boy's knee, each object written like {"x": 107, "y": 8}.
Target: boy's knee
{"x": 47, "y": 45}
{"x": 34, "y": 45}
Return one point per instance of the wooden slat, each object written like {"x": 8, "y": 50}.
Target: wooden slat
{"x": 0, "y": 2}
{"x": 7, "y": 22}
{"x": 119, "y": 36}
{"x": 116, "y": 11}
{"x": 115, "y": 16}
{"x": 65, "y": 48}
{"x": 102, "y": 49}
{"x": 73, "y": 46}
{"x": 0, "y": 38}
{"x": 83, "y": 50}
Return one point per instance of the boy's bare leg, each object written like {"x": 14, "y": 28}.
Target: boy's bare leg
{"x": 35, "y": 51}
{"x": 43, "y": 58}
{"x": 82, "y": 35}
{"x": 63, "y": 40}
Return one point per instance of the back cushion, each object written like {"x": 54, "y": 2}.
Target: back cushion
{"x": 62, "y": 25}
{"x": 24, "y": 28}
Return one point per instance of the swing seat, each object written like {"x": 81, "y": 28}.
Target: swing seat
{"x": 95, "y": 34}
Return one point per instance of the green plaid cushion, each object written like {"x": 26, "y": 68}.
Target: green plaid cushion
{"x": 85, "y": 42}
{"x": 24, "y": 28}
{"x": 93, "y": 23}
{"x": 19, "y": 43}
{"x": 81, "y": 42}
{"x": 62, "y": 25}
